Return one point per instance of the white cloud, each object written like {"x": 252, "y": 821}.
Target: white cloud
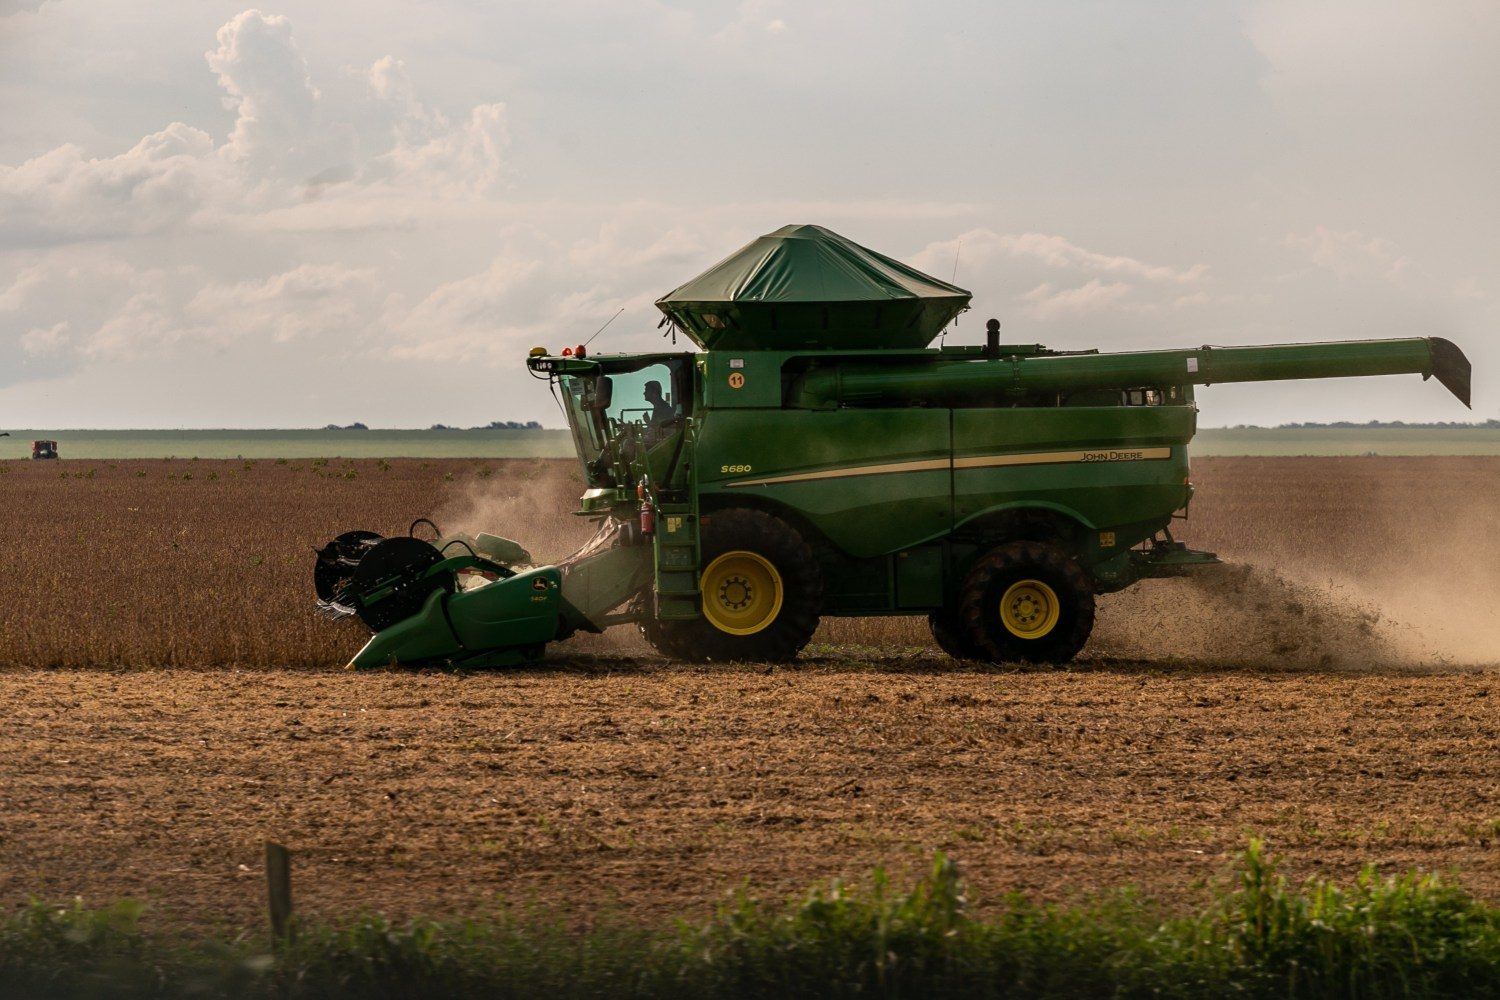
{"x": 1351, "y": 254}
{"x": 64, "y": 195}
{"x": 277, "y": 126}
{"x": 286, "y": 146}
{"x": 980, "y": 247}
{"x": 14, "y": 296}
{"x": 39, "y": 342}
{"x": 1046, "y": 303}
{"x": 306, "y": 301}
{"x": 752, "y": 18}
{"x": 145, "y": 323}
{"x": 478, "y": 316}
{"x": 1064, "y": 282}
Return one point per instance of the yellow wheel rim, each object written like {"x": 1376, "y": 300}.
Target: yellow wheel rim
{"x": 742, "y": 593}
{"x": 1030, "y": 609}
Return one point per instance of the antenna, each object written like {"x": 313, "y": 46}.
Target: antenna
{"x": 601, "y": 329}
{"x": 943, "y": 337}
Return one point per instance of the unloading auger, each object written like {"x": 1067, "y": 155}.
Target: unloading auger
{"x": 816, "y": 459}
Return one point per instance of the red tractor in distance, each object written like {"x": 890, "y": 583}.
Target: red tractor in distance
{"x": 44, "y": 449}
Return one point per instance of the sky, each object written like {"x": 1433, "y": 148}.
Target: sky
{"x": 221, "y": 216}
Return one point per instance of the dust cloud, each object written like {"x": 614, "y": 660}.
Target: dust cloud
{"x": 532, "y": 502}
{"x": 1242, "y": 613}
{"x": 528, "y": 502}
{"x": 1333, "y": 562}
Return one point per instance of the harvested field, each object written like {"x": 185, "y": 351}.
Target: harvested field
{"x": 660, "y": 787}
{"x": 172, "y": 702}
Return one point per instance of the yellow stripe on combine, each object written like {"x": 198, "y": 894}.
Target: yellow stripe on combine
{"x": 975, "y": 462}
{"x": 1053, "y": 457}
{"x": 930, "y": 465}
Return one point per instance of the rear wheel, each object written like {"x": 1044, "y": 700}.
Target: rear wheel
{"x": 1027, "y": 601}
{"x": 761, "y": 593}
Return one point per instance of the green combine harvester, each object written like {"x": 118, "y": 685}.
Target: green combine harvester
{"x": 817, "y": 457}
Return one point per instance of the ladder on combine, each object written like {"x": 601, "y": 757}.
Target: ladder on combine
{"x": 677, "y": 552}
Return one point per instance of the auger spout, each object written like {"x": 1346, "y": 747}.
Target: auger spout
{"x": 970, "y": 380}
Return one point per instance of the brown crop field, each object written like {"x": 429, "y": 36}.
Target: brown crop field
{"x": 171, "y": 702}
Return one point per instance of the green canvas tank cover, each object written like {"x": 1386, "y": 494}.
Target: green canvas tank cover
{"x": 806, "y": 287}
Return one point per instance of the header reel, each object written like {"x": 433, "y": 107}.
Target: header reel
{"x": 426, "y": 605}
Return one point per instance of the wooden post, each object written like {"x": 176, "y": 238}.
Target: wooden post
{"x": 279, "y": 890}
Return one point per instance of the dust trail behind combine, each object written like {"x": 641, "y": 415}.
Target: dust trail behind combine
{"x": 1335, "y": 562}
{"x": 1245, "y": 614}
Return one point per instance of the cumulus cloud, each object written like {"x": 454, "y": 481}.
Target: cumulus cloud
{"x": 478, "y": 316}
{"x": 1064, "y": 281}
{"x": 132, "y": 313}
{"x": 374, "y": 156}
{"x": 16, "y": 294}
{"x": 285, "y": 145}
{"x": 983, "y": 246}
{"x": 265, "y": 76}
{"x": 39, "y": 342}
{"x": 754, "y": 18}
{"x": 1350, "y": 253}
{"x": 63, "y": 194}
{"x": 306, "y": 301}
{"x": 1047, "y": 303}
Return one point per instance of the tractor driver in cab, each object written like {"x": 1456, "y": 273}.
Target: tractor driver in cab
{"x": 663, "y": 413}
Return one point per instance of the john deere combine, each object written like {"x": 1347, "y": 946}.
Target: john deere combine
{"x": 818, "y": 458}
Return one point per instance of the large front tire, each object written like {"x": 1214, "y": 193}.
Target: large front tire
{"x": 1027, "y": 601}
{"x": 761, "y": 589}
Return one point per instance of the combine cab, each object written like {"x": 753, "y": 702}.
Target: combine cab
{"x": 817, "y": 459}
{"x": 44, "y": 449}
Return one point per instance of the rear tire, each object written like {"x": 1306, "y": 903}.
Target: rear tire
{"x": 1027, "y": 601}
{"x": 762, "y": 592}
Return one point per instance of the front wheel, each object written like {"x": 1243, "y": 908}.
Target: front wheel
{"x": 761, "y": 592}
{"x": 949, "y": 633}
{"x": 1027, "y": 601}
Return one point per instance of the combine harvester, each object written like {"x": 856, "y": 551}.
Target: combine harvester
{"x": 818, "y": 458}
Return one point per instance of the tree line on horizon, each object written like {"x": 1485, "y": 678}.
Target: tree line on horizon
{"x": 1377, "y": 425}
{"x": 493, "y": 425}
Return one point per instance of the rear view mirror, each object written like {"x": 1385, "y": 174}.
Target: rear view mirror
{"x": 602, "y": 396}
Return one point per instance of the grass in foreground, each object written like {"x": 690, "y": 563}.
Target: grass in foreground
{"x": 1412, "y": 936}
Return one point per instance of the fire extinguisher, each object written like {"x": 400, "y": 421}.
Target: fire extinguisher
{"x": 648, "y": 512}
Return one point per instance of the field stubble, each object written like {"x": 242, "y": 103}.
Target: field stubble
{"x": 1317, "y": 693}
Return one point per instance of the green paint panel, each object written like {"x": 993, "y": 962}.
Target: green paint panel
{"x": 1095, "y": 464}
{"x": 919, "y": 578}
{"x": 864, "y": 515}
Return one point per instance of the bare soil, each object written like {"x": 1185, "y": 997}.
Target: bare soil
{"x": 661, "y": 787}
{"x": 1299, "y": 697}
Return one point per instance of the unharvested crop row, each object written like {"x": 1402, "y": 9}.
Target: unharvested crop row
{"x": 207, "y": 563}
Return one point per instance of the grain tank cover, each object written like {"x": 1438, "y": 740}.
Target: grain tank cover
{"x": 806, "y": 287}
